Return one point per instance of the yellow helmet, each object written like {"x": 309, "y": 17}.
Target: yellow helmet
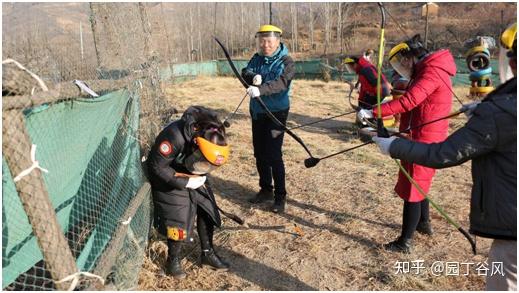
{"x": 507, "y": 51}
{"x": 398, "y": 49}
{"x": 269, "y": 30}
{"x": 509, "y": 38}
{"x": 348, "y": 60}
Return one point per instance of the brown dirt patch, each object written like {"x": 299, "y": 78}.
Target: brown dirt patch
{"x": 345, "y": 208}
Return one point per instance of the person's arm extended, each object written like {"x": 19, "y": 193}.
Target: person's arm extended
{"x": 414, "y": 96}
{"x": 476, "y": 138}
{"x": 282, "y": 82}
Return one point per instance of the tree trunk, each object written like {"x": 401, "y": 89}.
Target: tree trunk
{"x": 339, "y": 27}
{"x": 168, "y": 47}
{"x": 296, "y": 35}
{"x": 311, "y": 27}
{"x": 199, "y": 20}
{"x": 242, "y": 35}
{"x": 191, "y": 41}
{"x": 292, "y": 27}
{"x": 326, "y": 27}
{"x": 215, "y": 49}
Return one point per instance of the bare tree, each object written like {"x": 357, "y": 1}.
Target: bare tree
{"x": 296, "y": 33}
{"x": 327, "y": 27}
{"x": 191, "y": 34}
{"x": 166, "y": 34}
{"x": 311, "y": 27}
{"x": 199, "y": 20}
{"x": 339, "y": 25}
{"x": 293, "y": 27}
{"x": 242, "y": 35}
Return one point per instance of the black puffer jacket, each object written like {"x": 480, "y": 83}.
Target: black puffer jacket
{"x": 489, "y": 139}
{"x": 176, "y": 205}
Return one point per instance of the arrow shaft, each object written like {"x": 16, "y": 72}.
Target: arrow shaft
{"x": 237, "y": 107}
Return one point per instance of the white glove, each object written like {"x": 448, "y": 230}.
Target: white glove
{"x": 384, "y": 143}
{"x": 468, "y": 109}
{"x": 253, "y": 91}
{"x": 195, "y": 182}
{"x": 364, "y": 114}
{"x": 256, "y": 80}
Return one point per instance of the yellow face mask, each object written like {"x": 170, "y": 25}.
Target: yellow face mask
{"x": 208, "y": 157}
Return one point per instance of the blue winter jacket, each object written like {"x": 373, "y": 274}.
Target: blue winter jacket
{"x": 277, "y": 72}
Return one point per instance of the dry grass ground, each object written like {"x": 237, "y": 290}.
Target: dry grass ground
{"x": 345, "y": 208}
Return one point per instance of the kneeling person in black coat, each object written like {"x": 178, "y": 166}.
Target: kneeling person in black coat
{"x": 183, "y": 153}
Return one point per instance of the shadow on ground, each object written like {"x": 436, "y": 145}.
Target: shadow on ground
{"x": 228, "y": 189}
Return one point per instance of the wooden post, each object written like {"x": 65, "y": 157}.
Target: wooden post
{"x": 35, "y": 199}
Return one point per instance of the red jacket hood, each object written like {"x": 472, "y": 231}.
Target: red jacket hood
{"x": 441, "y": 59}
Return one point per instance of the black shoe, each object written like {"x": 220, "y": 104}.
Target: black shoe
{"x": 212, "y": 260}
{"x": 399, "y": 245}
{"x": 279, "y": 204}
{"x": 424, "y": 228}
{"x": 262, "y": 196}
{"x": 174, "y": 268}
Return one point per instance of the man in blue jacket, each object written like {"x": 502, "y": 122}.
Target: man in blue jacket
{"x": 270, "y": 71}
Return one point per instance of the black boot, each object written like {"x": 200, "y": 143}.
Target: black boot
{"x": 174, "y": 268}
{"x": 399, "y": 245}
{"x": 211, "y": 259}
{"x": 205, "y": 229}
{"x": 279, "y": 204}
{"x": 424, "y": 228}
{"x": 173, "y": 265}
{"x": 262, "y": 196}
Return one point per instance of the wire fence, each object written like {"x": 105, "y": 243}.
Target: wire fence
{"x": 76, "y": 207}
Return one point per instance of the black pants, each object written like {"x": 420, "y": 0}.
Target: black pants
{"x": 268, "y": 154}
{"x": 205, "y": 229}
{"x": 414, "y": 213}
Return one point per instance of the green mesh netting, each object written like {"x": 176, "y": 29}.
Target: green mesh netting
{"x": 91, "y": 152}
{"x": 305, "y": 69}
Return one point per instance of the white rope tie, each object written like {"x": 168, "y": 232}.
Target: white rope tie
{"x": 75, "y": 279}
{"x": 127, "y": 221}
{"x": 37, "y": 78}
{"x": 35, "y": 164}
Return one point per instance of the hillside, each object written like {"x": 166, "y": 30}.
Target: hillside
{"x": 52, "y": 29}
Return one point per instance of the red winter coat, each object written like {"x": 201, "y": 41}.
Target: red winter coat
{"x": 428, "y": 97}
{"x": 367, "y": 73}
